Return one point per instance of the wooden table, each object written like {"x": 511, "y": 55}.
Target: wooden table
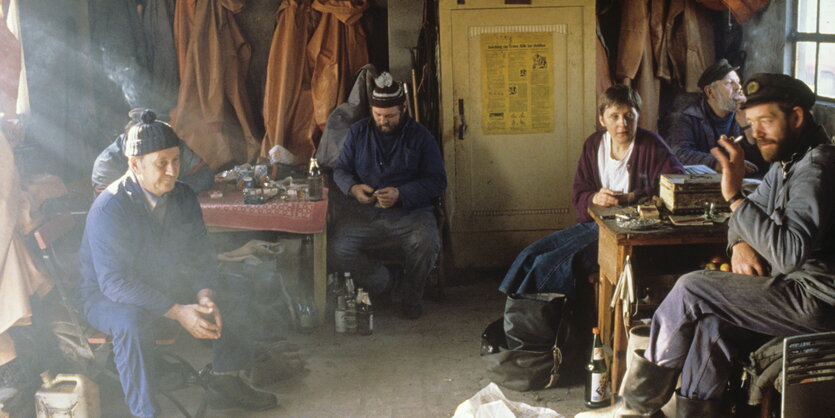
{"x": 615, "y": 244}
{"x": 306, "y": 217}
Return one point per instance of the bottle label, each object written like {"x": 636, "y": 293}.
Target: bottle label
{"x": 597, "y": 354}
{"x": 339, "y": 321}
{"x": 599, "y": 387}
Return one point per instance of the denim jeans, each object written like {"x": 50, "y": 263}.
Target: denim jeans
{"x": 552, "y": 263}
{"x": 699, "y": 324}
{"x": 414, "y": 232}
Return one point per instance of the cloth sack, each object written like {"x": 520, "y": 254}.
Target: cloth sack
{"x": 522, "y": 349}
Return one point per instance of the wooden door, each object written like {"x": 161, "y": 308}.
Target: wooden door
{"x": 518, "y": 99}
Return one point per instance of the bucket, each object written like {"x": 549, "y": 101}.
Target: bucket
{"x": 67, "y": 395}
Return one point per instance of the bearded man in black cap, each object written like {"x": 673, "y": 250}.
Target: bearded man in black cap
{"x": 695, "y": 129}
{"x": 782, "y": 241}
{"x": 392, "y": 168}
{"x": 144, "y": 256}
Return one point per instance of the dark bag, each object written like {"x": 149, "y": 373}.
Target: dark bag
{"x": 522, "y": 349}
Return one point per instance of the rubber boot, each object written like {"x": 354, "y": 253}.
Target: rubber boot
{"x": 646, "y": 388}
{"x": 693, "y": 408}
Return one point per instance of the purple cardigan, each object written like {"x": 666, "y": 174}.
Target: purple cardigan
{"x": 650, "y": 158}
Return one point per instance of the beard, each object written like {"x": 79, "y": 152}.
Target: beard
{"x": 773, "y": 150}
{"x": 729, "y": 105}
{"x": 387, "y": 128}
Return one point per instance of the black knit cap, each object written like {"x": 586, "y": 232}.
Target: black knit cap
{"x": 717, "y": 71}
{"x": 764, "y": 88}
{"x": 149, "y": 135}
{"x": 387, "y": 92}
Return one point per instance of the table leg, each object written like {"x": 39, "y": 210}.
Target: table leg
{"x": 320, "y": 273}
{"x": 604, "y": 312}
{"x": 618, "y": 348}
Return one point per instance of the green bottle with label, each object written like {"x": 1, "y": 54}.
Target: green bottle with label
{"x": 597, "y": 375}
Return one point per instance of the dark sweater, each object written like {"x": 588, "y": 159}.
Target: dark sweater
{"x": 409, "y": 159}
{"x": 130, "y": 257}
{"x": 651, "y": 157}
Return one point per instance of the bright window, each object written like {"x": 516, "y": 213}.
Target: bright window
{"x": 814, "y": 46}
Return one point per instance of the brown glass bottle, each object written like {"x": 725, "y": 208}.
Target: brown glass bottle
{"x": 365, "y": 314}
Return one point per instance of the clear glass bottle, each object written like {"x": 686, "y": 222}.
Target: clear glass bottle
{"x": 307, "y": 316}
{"x": 315, "y": 181}
{"x": 339, "y": 323}
{"x": 597, "y": 375}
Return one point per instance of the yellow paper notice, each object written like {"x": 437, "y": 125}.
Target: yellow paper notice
{"x": 517, "y": 83}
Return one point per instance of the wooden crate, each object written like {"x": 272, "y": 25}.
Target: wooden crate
{"x": 687, "y": 193}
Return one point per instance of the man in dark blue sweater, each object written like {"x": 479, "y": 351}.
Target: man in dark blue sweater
{"x": 144, "y": 256}
{"x": 694, "y": 130}
{"x": 392, "y": 168}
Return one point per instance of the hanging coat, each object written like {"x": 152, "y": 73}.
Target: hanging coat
{"x": 161, "y": 54}
{"x": 10, "y": 70}
{"x": 19, "y": 278}
{"x": 326, "y": 36}
{"x": 288, "y": 102}
{"x": 689, "y": 43}
{"x": 635, "y": 58}
{"x": 213, "y": 114}
{"x": 336, "y": 52}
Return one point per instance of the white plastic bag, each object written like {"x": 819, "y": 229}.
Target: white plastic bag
{"x": 490, "y": 402}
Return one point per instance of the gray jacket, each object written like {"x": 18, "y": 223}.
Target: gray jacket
{"x": 790, "y": 218}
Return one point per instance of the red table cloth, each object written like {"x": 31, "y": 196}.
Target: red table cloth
{"x": 297, "y": 217}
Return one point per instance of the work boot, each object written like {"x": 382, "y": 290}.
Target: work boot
{"x": 646, "y": 388}
{"x": 688, "y": 408}
{"x": 230, "y": 391}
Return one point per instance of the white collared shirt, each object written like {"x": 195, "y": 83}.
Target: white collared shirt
{"x": 614, "y": 174}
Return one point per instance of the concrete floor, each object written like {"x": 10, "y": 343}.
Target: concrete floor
{"x": 421, "y": 368}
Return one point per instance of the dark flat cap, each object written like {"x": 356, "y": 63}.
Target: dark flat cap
{"x": 764, "y": 87}
{"x": 715, "y": 72}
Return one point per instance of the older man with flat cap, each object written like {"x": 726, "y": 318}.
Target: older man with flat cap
{"x": 144, "y": 257}
{"x": 392, "y": 168}
{"x": 695, "y": 129}
{"x": 782, "y": 241}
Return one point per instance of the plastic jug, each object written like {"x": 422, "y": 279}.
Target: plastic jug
{"x": 67, "y": 395}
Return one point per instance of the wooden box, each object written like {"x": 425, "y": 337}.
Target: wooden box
{"x": 687, "y": 193}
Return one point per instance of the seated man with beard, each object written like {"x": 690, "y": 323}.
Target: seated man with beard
{"x": 392, "y": 168}
{"x": 782, "y": 243}
{"x": 696, "y": 128}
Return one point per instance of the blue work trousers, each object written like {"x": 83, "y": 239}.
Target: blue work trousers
{"x": 132, "y": 331}
{"x": 551, "y": 264}
{"x": 700, "y": 323}
{"x": 414, "y": 232}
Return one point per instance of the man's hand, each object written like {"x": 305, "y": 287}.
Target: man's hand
{"x": 363, "y": 193}
{"x": 745, "y": 260}
{"x": 205, "y": 298}
{"x": 733, "y": 166}
{"x": 605, "y": 197}
{"x": 196, "y": 320}
{"x": 387, "y": 196}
